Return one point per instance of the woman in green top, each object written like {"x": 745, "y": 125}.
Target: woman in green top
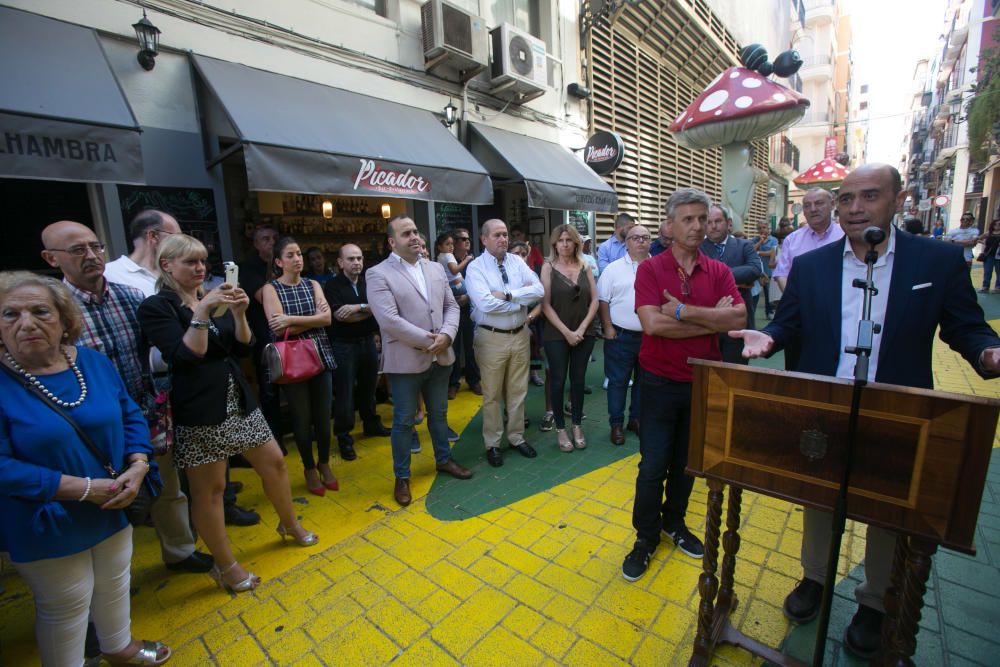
{"x": 569, "y": 305}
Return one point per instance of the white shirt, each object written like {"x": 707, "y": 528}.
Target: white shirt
{"x": 126, "y": 272}
{"x": 850, "y": 305}
{"x": 964, "y": 234}
{"x": 616, "y": 287}
{"x": 416, "y": 272}
{"x": 483, "y": 277}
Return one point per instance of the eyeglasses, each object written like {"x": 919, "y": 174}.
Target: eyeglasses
{"x": 164, "y": 231}
{"x": 461, "y": 238}
{"x": 640, "y": 239}
{"x": 685, "y": 282}
{"x": 81, "y": 250}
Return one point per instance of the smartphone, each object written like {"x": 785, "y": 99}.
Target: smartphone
{"x": 232, "y": 277}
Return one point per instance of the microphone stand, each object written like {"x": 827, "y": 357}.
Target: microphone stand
{"x": 866, "y": 332}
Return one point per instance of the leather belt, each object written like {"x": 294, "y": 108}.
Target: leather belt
{"x": 627, "y": 332}
{"x": 496, "y": 330}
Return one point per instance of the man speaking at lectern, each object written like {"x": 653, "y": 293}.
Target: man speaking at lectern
{"x": 921, "y": 285}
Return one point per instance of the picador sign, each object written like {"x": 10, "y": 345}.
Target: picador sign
{"x": 373, "y": 176}
{"x": 604, "y": 152}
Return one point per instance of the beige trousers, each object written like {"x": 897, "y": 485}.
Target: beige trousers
{"x": 880, "y": 546}
{"x": 170, "y": 514}
{"x": 503, "y": 361}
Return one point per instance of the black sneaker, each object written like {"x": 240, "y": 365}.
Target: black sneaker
{"x": 686, "y": 541}
{"x": 637, "y": 561}
{"x": 239, "y": 516}
{"x": 802, "y": 604}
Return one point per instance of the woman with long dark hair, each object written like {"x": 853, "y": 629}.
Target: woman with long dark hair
{"x": 296, "y": 305}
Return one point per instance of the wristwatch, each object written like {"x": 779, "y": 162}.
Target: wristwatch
{"x": 362, "y": 307}
{"x": 199, "y": 324}
{"x": 506, "y": 296}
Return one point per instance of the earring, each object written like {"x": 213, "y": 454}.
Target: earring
{"x": 65, "y": 334}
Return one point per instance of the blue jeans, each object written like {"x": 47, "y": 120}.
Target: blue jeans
{"x": 406, "y": 390}
{"x": 989, "y": 263}
{"x": 309, "y": 404}
{"x": 357, "y": 363}
{"x": 621, "y": 364}
{"x": 663, "y": 446}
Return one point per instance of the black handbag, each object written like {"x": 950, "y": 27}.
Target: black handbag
{"x": 138, "y": 510}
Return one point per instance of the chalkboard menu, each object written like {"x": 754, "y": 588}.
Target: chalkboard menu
{"x": 449, "y": 217}
{"x": 194, "y": 209}
{"x": 580, "y": 220}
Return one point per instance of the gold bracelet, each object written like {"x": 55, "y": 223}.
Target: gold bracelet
{"x": 145, "y": 462}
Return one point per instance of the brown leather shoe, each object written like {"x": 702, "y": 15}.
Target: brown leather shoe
{"x": 452, "y": 392}
{"x": 402, "y": 491}
{"x": 617, "y": 435}
{"x": 633, "y": 425}
{"x": 477, "y": 389}
{"x": 455, "y": 470}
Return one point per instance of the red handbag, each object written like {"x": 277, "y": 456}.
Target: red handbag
{"x": 290, "y": 361}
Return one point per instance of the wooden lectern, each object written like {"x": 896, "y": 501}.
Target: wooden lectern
{"x": 919, "y": 470}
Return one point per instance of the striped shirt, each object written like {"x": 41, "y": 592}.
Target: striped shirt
{"x": 110, "y": 326}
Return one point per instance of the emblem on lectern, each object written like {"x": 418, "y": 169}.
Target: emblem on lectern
{"x": 813, "y": 444}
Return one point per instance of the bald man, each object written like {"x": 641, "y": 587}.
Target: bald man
{"x": 352, "y": 334}
{"x": 139, "y": 268}
{"x": 502, "y": 289}
{"x": 923, "y": 288}
{"x": 110, "y": 326}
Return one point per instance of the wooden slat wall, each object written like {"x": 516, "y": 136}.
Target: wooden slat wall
{"x": 643, "y": 71}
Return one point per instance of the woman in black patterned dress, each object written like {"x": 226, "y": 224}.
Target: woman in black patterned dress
{"x": 214, "y": 410}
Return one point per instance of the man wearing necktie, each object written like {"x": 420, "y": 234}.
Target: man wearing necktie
{"x": 742, "y": 259}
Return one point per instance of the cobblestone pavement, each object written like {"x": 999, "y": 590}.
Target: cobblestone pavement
{"x": 533, "y": 581}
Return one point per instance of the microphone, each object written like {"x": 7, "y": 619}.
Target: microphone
{"x": 874, "y": 236}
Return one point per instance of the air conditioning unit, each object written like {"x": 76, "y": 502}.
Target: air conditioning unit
{"x": 517, "y": 62}
{"x": 454, "y": 40}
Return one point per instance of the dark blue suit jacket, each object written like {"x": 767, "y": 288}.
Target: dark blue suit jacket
{"x": 810, "y": 307}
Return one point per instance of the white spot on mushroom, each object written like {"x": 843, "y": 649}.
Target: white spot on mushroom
{"x": 718, "y": 112}
{"x": 778, "y": 97}
{"x": 713, "y": 100}
{"x": 828, "y": 169}
{"x": 743, "y": 102}
{"x": 751, "y": 82}
{"x": 735, "y": 74}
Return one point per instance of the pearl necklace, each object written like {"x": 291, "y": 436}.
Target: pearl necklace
{"x": 48, "y": 394}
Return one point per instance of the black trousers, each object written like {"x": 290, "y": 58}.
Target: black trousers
{"x": 354, "y": 385}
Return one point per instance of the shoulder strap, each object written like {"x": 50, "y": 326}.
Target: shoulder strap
{"x": 101, "y": 457}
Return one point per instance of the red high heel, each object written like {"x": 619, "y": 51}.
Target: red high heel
{"x": 331, "y": 481}
{"x": 317, "y": 490}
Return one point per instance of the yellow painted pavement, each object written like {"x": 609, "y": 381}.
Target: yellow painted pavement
{"x": 534, "y": 583}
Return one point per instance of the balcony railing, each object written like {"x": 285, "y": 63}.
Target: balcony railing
{"x": 814, "y": 61}
{"x": 789, "y": 153}
{"x": 814, "y": 117}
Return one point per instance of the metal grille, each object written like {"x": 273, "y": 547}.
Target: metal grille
{"x": 457, "y": 29}
{"x": 643, "y": 71}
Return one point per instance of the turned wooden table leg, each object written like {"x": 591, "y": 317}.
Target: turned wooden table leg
{"x": 726, "y": 600}
{"x": 911, "y": 600}
{"x": 890, "y": 636}
{"x": 708, "y": 583}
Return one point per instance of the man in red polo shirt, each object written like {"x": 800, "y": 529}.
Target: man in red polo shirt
{"x": 684, "y": 300}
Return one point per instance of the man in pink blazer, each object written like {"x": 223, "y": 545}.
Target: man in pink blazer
{"x": 417, "y": 317}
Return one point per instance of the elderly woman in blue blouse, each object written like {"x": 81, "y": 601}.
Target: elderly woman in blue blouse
{"x": 60, "y": 511}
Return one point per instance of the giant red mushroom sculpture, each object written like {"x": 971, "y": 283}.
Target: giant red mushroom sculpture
{"x": 827, "y": 173}
{"x": 741, "y": 105}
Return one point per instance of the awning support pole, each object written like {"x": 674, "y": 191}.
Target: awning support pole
{"x": 223, "y": 155}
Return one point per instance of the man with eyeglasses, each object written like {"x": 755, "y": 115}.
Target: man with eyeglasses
{"x": 110, "y": 326}
{"x": 966, "y": 236}
{"x": 502, "y": 289}
{"x": 684, "y": 300}
{"x": 622, "y": 332}
{"x": 465, "y": 356}
{"x": 138, "y": 268}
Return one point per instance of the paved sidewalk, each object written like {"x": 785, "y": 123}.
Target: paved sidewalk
{"x": 535, "y": 581}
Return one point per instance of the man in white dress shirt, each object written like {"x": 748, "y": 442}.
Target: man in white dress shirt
{"x": 622, "y": 331}
{"x": 501, "y": 288}
{"x": 139, "y": 269}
